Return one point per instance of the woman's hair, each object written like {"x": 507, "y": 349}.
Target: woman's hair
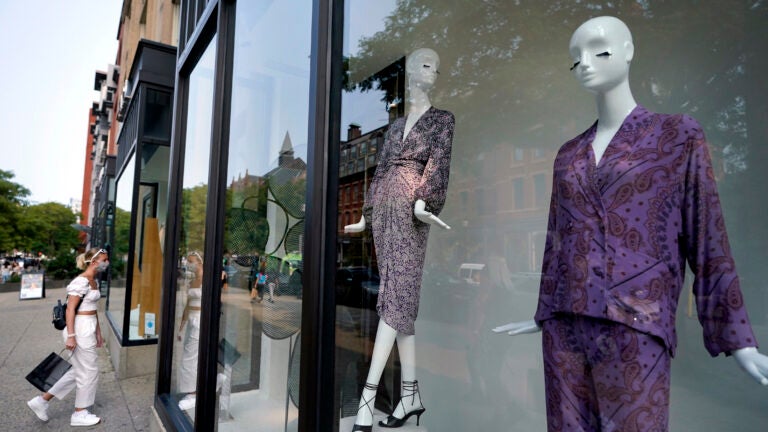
{"x": 195, "y": 254}
{"x": 85, "y": 258}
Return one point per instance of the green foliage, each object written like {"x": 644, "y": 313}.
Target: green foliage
{"x": 45, "y": 227}
{"x": 122, "y": 241}
{"x": 63, "y": 266}
{"x": 48, "y": 228}
{"x": 194, "y": 203}
{"x": 15, "y": 278}
{"x": 12, "y": 199}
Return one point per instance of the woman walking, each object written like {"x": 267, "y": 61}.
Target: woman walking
{"x": 81, "y": 336}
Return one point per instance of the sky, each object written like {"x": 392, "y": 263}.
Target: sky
{"x": 49, "y": 53}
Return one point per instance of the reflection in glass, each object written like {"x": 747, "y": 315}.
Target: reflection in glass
{"x": 197, "y": 147}
{"x": 503, "y": 76}
{"x": 150, "y": 226}
{"x": 120, "y": 249}
{"x": 263, "y": 232}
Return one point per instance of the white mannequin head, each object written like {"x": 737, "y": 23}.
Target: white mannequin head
{"x": 602, "y": 50}
{"x": 421, "y": 68}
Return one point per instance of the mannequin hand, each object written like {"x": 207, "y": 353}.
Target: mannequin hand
{"x": 518, "y": 327}
{"x": 753, "y": 363}
{"x": 421, "y": 213}
{"x": 356, "y": 227}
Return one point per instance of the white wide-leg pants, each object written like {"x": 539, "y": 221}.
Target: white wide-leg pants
{"x": 84, "y": 374}
{"x": 188, "y": 366}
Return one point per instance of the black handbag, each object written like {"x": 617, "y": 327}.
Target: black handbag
{"x": 49, "y": 371}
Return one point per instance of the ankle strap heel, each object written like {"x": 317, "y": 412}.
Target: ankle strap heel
{"x": 410, "y": 389}
{"x": 366, "y": 404}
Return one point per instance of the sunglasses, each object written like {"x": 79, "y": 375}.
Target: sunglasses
{"x": 101, "y": 251}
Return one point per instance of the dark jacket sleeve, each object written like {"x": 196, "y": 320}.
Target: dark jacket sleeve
{"x": 434, "y": 181}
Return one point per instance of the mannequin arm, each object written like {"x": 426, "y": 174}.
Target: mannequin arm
{"x": 356, "y": 227}
{"x": 753, "y": 363}
{"x": 518, "y": 328}
{"x": 421, "y": 213}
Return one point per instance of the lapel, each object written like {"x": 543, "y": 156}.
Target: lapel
{"x": 585, "y": 170}
{"x": 416, "y": 130}
{"x": 622, "y": 146}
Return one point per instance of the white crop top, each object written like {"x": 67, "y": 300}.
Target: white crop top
{"x": 80, "y": 287}
{"x": 194, "y": 296}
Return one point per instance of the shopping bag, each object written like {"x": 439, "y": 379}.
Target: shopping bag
{"x": 228, "y": 354}
{"x": 50, "y": 370}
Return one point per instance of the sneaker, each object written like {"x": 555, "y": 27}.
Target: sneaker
{"x": 40, "y": 407}
{"x": 188, "y": 402}
{"x": 83, "y": 418}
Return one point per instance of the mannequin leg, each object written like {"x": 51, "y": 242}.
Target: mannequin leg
{"x": 411, "y": 399}
{"x": 385, "y": 339}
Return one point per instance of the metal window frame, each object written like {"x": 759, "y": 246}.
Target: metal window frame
{"x": 317, "y": 379}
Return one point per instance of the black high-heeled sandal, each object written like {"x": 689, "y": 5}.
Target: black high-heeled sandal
{"x": 410, "y": 388}
{"x": 368, "y": 428}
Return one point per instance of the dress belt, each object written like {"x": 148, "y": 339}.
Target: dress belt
{"x": 195, "y": 308}
{"x": 90, "y": 312}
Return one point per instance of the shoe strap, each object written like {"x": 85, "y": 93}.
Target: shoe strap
{"x": 410, "y": 389}
{"x": 367, "y": 402}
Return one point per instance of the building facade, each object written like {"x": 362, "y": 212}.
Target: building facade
{"x": 267, "y": 310}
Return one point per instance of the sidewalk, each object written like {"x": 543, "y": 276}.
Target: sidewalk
{"x": 26, "y": 338}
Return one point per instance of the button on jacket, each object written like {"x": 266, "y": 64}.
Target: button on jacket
{"x": 620, "y": 233}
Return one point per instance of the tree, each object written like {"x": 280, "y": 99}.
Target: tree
{"x": 48, "y": 228}
{"x": 12, "y": 199}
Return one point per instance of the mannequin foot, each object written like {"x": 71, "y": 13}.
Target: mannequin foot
{"x": 409, "y": 405}
{"x": 364, "y": 419}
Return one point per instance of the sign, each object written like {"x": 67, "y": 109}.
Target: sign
{"x": 149, "y": 324}
{"x": 32, "y": 286}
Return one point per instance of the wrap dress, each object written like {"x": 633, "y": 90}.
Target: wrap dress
{"x": 410, "y": 168}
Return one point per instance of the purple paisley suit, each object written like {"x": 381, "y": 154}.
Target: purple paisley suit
{"x": 410, "y": 168}
{"x": 619, "y": 236}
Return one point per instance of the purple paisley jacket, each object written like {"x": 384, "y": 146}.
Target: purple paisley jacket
{"x": 620, "y": 233}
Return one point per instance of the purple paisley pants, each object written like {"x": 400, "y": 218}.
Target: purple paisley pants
{"x": 600, "y": 375}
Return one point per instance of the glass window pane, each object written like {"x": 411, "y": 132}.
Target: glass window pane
{"x": 194, "y": 187}
{"x": 504, "y": 75}
{"x": 122, "y": 231}
{"x": 264, "y": 221}
{"x": 150, "y": 232}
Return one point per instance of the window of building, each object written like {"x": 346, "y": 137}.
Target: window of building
{"x": 540, "y": 190}
{"x": 721, "y": 89}
{"x": 518, "y": 193}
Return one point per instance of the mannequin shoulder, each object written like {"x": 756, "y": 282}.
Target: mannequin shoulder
{"x": 443, "y": 115}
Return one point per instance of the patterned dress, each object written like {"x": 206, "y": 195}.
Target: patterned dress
{"x": 410, "y": 168}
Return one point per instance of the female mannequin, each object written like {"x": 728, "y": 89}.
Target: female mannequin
{"x": 411, "y": 180}
{"x": 604, "y": 277}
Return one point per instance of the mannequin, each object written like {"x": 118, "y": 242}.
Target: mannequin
{"x": 607, "y": 184}
{"x": 412, "y": 173}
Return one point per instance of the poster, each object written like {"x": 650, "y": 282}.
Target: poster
{"x": 32, "y": 286}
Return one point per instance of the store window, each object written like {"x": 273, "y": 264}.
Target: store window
{"x": 504, "y": 76}
{"x": 150, "y": 229}
{"x": 261, "y": 304}
{"x": 122, "y": 242}
{"x": 194, "y": 197}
